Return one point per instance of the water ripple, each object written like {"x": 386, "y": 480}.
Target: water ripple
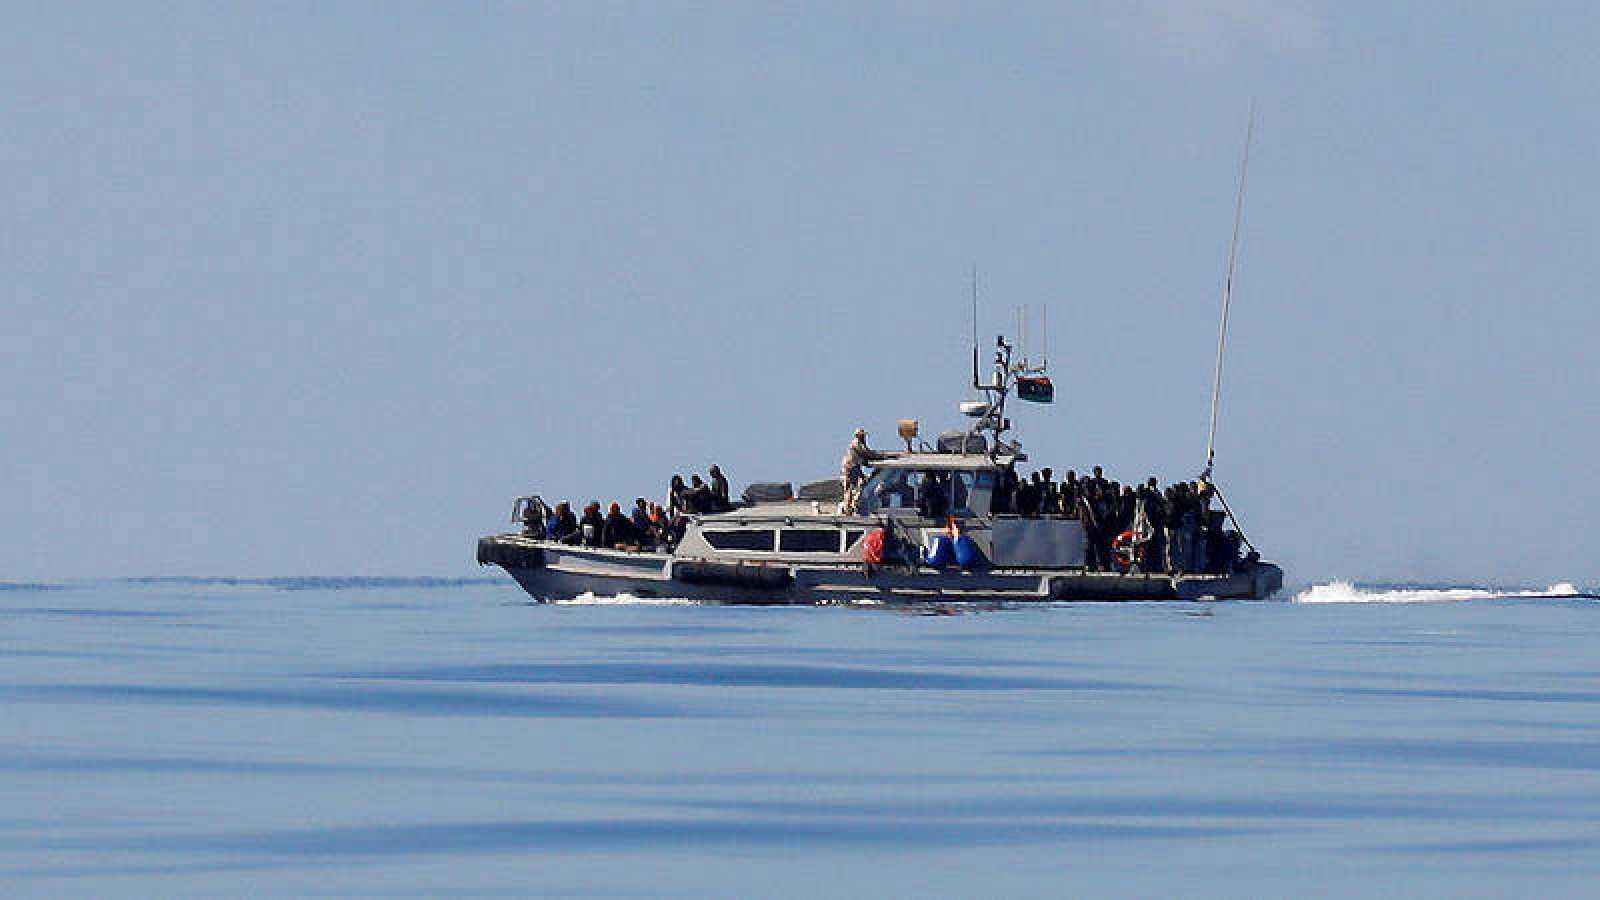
{"x": 743, "y": 675}
{"x": 400, "y": 702}
{"x": 560, "y": 836}
{"x": 1517, "y": 696}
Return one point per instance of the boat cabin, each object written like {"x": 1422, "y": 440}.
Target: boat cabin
{"x": 895, "y": 490}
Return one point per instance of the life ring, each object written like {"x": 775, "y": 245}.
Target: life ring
{"x": 1126, "y": 551}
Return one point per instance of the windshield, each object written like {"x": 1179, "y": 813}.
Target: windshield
{"x": 929, "y": 494}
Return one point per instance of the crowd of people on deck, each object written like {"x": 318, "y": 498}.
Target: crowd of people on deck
{"x": 1144, "y": 528}
{"x": 648, "y": 526}
{"x": 1126, "y": 526}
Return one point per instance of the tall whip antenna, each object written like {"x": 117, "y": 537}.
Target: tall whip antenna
{"x": 974, "y": 326}
{"x": 974, "y": 305}
{"x": 1227, "y": 296}
{"x": 1024, "y": 335}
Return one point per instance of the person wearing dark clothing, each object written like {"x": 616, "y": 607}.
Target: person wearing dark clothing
{"x": 1216, "y": 542}
{"x": 1155, "y": 512}
{"x": 1090, "y": 519}
{"x": 1200, "y": 560}
{"x": 1105, "y": 517}
{"x": 592, "y": 526}
{"x": 675, "y": 491}
{"x": 1070, "y": 489}
{"x": 535, "y": 518}
{"x": 1183, "y": 522}
{"x": 1030, "y": 496}
{"x": 1099, "y": 480}
{"x": 1231, "y": 543}
{"x": 1005, "y": 491}
{"x": 563, "y": 524}
{"x": 933, "y": 501}
{"x": 641, "y": 521}
{"x": 719, "y": 490}
{"x": 698, "y": 499}
{"x": 616, "y": 528}
{"x": 1173, "y": 507}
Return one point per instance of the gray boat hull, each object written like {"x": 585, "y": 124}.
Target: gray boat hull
{"x": 554, "y": 572}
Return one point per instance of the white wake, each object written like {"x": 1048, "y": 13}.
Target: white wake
{"x": 590, "y": 599}
{"x": 1345, "y": 592}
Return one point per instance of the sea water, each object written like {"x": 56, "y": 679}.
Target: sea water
{"x": 203, "y": 737}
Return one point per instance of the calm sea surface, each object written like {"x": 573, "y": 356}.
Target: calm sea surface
{"x": 420, "y": 737}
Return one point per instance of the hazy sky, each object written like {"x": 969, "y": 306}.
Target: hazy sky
{"x": 318, "y": 288}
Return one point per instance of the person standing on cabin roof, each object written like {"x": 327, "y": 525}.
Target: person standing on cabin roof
{"x": 852, "y": 474}
{"x": 699, "y": 498}
{"x": 675, "y": 491}
{"x": 719, "y": 489}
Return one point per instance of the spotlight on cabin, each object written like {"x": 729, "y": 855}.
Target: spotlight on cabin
{"x": 908, "y": 432}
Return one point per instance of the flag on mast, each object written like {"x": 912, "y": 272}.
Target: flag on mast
{"x": 1035, "y": 389}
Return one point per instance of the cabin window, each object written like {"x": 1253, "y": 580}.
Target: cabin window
{"x": 961, "y": 484}
{"x": 852, "y": 536}
{"x": 891, "y": 489}
{"x": 750, "y": 539}
{"x": 811, "y": 540}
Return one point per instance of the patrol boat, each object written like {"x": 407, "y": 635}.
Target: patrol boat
{"x": 932, "y": 526}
